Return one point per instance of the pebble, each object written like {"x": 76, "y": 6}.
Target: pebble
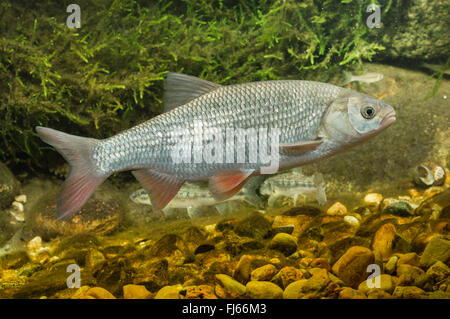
{"x": 321, "y": 263}
{"x": 200, "y": 292}
{"x": 286, "y": 276}
{"x": 438, "y": 249}
{"x": 285, "y": 243}
{"x": 264, "y": 273}
{"x": 399, "y": 208}
{"x": 378, "y": 294}
{"x": 409, "y": 259}
{"x": 384, "y": 281}
{"x": 351, "y": 220}
{"x": 409, "y": 292}
{"x": 373, "y": 201}
{"x": 18, "y": 206}
{"x": 255, "y": 226}
{"x": 243, "y": 269}
{"x": 263, "y": 290}
{"x": 97, "y": 293}
{"x": 352, "y": 266}
{"x": 383, "y": 240}
{"x": 391, "y": 264}
{"x": 438, "y": 272}
{"x": 408, "y": 274}
{"x": 337, "y": 209}
{"x": 136, "y": 292}
{"x": 349, "y": 293}
{"x": 94, "y": 259}
{"x": 231, "y": 286}
{"x": 21, "y": 198}
{"x": 169, "y": 292}
{"x": 300, "y": 223}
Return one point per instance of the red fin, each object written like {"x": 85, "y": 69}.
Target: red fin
{"x": 83, "y": 178}
{"x": 160, "y": 187}
{"x": 226, "y": 184}
{"x": 300, "y": 147}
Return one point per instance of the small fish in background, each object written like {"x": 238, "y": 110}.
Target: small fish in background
{"x": 295, "y": 185}
{"x": 193, "y": 196}
{"x": 370, "y": 77}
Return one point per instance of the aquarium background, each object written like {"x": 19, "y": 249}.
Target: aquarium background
{"x": 107, "y": 76}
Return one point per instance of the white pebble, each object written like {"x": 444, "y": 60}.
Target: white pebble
{"x": 21, "y": 198}
{"x": 18, "y": 206}
{"x": 210, "y": 228}
{"x": 352, "y": 220}
{"x": 35, "y": 244}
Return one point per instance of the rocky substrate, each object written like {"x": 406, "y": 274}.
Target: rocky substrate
{"x": 297, "y": 254}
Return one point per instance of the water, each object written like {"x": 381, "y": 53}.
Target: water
{"x": 107, "y": 76}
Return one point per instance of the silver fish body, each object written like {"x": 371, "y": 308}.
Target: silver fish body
{"x": 311, "y": 121}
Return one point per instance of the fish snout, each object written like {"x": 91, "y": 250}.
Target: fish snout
{"x": 389, "y": 118}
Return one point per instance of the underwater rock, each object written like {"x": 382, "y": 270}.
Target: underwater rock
{"x": 9, "y": 186}
{"x": 14, "y": 259}
{"x": 153, "y": 274}
{"x": 408, "y": 275}
{"x": 97, "y": 293}
{"x": 349, "y": 293}
{"x": 255, "y": 226}
{"x": 299, "y": 222}
{"x": 385, "y": 282}
{"x": 228, "y": 287}
{"x": 169, "y": 292}
{"x": 383, "y": 240}
{"x": 200, "y": 292}
{"x": 96, "y": 217}
{"x": 321, "y": 263}
{"x": 373, "y": 201}
{"x": 438, "y": 249}
{"x": 313, "y": 287}
{"x": 264, "y": 273}
{"x": 429, "y": 174}
{"x": 172, "y": 247}
{"x": 286, "y": 276}
{"x": 437, "y": 272}
{"x": 399, "y": 208}
{"x": 94, "y": 259}
{"x": 352, "y": 266}
{"x": 263, "y": 290}
{"x": 284, "y": 243}
{"x": 391, "y": 265}
{"x": 337, "y": 209}
{"x": 136, "y": 292}
{"x": 351, "y": 220}
{"x": 378, "y": 294}
{"x": 243, "y": 269}
{"x": 288, "y": 229}
{"x": 410, "y": 259}
{"x": 409, "y": 292}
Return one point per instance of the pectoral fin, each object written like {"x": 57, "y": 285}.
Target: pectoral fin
{"x": 160, "y": 187}
{"x": 298, "y": 148}
{"x": 228, "y": 183}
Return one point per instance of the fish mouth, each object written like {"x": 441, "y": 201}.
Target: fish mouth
{"x": 388, "y": 120}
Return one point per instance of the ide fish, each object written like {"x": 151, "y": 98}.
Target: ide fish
{"x": 306, "y": 121}
{"x": 192, "y": 196}
{"x": 370, "y": 77}
{"x": 294, "y": 185}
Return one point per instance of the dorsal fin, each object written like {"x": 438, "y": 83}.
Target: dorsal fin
{"x": 181, "y": 88}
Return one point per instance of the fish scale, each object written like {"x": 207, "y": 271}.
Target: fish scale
{"x": 293, "y": 105}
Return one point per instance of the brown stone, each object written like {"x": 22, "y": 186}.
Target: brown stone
{"x": 383, "y": 239}
{"x": 286, "y": 276}
{"x": 352, "y": 266}
{"x": 200, "y": 292}
{"x": 349, "y": 293}
{"x": 264, "y": 273}
{"x": 97, "y": 293}
{"x": 136, "y": 292}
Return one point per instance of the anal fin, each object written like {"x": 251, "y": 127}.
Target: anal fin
{"x": 160, "y": 187}
{"x": 228, "y": 183}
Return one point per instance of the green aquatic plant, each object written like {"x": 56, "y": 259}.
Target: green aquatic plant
{"x": 107, "y": 75}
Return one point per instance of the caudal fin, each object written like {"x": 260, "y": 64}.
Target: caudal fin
{"x": 83, "y": 178}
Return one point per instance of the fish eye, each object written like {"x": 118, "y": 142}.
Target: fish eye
{"x": 368, "y": 111}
